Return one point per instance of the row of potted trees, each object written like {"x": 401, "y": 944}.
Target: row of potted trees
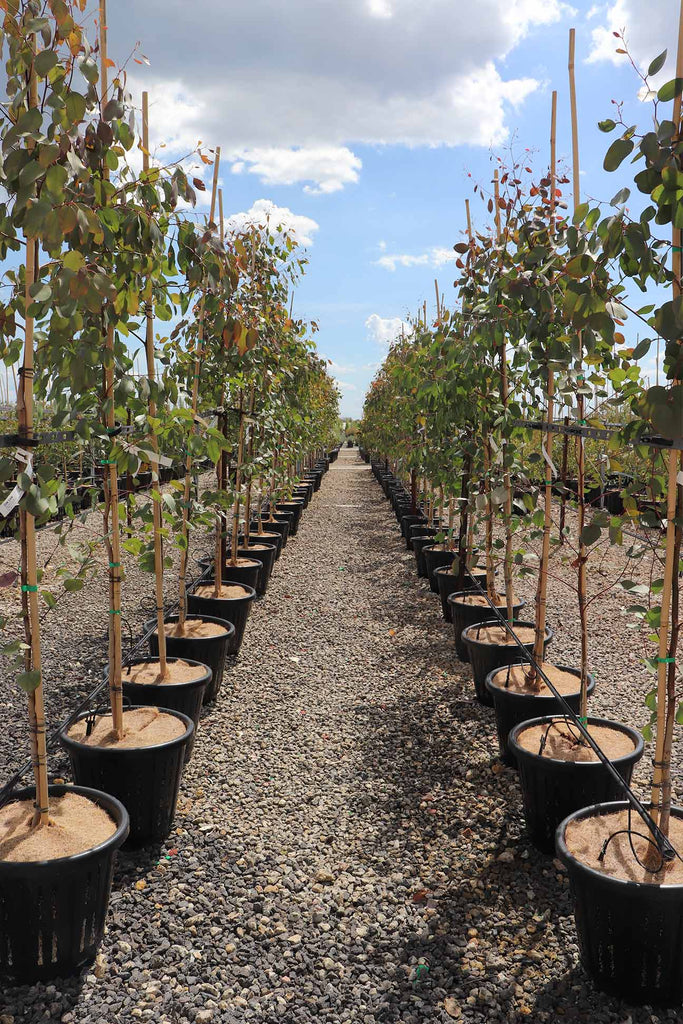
{"x": 536, "y": 338}
{"x": 106, "y": 259}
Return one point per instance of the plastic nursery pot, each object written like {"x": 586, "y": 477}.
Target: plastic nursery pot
{"x": 305, "y": 491}
{"x": 295, "y": 507}
{"x": 232, "y": 609}
{"x": 436, "y": 556}
{"x": 207, "y": 650}
{"x": 409, "y": 520}
{"x": 279, "y": 525}
{"x": 464, "y": 614}
{"x": 266, "y": 555}
{"x": 448, "y": 583}
{"x": 421, "y": 529}
{"x": 484, "y": 657}
{"x": 52, "y": 912}
{"x": 512, "y": 707}
{"x": 419, "y": 542}
{"x": 630, "y": 935}
{"x": 184, "y": 697}
{"x": 553, "y": 789}
{"x": 315, "y": 479}
{"x": 246, "y": 573}
{"x": 268, "y": 537}
{"x": 145, "y": 779}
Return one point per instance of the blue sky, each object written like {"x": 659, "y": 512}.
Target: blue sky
{"x": 366, "y": 124}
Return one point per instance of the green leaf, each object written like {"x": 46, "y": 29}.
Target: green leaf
{"x": 75, "y": 107}
{"x": 56, "y": 179}
{"x": 670, "y": 90}
{"x": 608, "y": 125}
{"x": 679, "y": 714}
{"x": 657, "y": 64}
{"x": 72, "y": 585}
{"x": 591, "y": 534}
{"x": 29, "y": 681}
{"x": 73, "y": 260}
{"x": 44, "y": 62}
{"x": 617, "y": 153}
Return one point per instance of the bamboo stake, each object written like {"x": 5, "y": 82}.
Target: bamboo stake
{"x": 542, "y": 590}
{"x": 669, "y": 618}
{"x": 438, "y": 300}
{"x": 507, "y": 483}
{"x": 219, "y": 549}
{"x": 238, "y": 485}
{"x": 111, "y": 484}
{"x": 153, "y": 443}
{"x": 182, "y": 576}
{"x": 29, "y": 572}
{"x": 580, "y": 446}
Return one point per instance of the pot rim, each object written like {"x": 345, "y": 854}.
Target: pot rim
{"x": 473, "y": 593}
{"x": 172, "y": 657}
{"x": 612, "y": 723}
{"x": 97, "y": 796}
{"x": 93, "y": 749}
{"x": 494, "y": 622}
{"x": 620, "y": 884}
{"x": 193, "y": 617}
{"x": 536, "y": 696}
{"x": 251, "y": 592}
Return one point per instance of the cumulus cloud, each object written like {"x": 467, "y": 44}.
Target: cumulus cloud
{"x": 385, "y": 330}
{"x": 435, "y": 257}
{"x": 264, "y": 213}
{"x": 649, "y": 28}
{"x": 412, "y": 72}
{"x": 326, "y": 168}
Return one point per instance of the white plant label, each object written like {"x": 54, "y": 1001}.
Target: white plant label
{"x": 15, "y": 496}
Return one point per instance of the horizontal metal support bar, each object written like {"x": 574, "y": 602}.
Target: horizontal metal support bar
{"x": 599, "y": 433}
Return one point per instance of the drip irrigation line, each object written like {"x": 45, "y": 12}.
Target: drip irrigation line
{"x": 52, "y": 738}
{"x": 666, "y": 850}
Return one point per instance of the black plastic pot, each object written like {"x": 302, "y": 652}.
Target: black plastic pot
{"x": 418, "y": 542}
{"x": 630, "y": 934}
{"x": 232, "y": 609}
{"x": 305, "y": 491}
{"x": 268, "y": 537}
{"x": 245, "y": 575}
{"x": 295, "y": 508}
{"x": 435, "y": 559}
{"x": 281, "y": 526}
{"x": 52, "y": 913}
{"x": 552, "y": 789}
{"x": 184, "y": 697}
{"x": 421, "y": 529}
{"x": 512, "y": 708}
{"x": 447, "y": 583}
{"x": 484, "y": 658}
{"x": 207, "y": 650}
{"x": 145, "y": 779}
{"x": 464, "y": 615}
{"x": 266, "y": 555}
{"x": 408, "y": 520}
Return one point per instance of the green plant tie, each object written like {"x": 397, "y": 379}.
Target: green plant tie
{"x": 584, "y": 721}
{"x": 107, "y": 462}
{"x": 676, "y": 248}
{"x": 548, "y": 483}
{"x": 582, "y": 423}
{"x": 114, "y": 611}
{"x": 29, "y": 588}
{"x": 114, "y": 565}
{"x": 665, "y": 661}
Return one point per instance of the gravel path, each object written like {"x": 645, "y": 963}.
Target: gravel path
{"x": 348, "y": 848}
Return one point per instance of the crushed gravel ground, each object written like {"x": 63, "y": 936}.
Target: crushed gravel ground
{"x": 348, "y": 847}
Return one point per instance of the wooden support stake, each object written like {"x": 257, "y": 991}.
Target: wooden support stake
{"x": 152, "y": 438}
{"x": 507, "y": 483}
{"x": 29, "y": 572}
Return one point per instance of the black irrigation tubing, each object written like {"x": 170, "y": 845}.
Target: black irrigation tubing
{"x": 58, "y": 436}
{"x": 10, "y": 786}
{"x": 666, "y": 850}
{"x": 599, "y": 433}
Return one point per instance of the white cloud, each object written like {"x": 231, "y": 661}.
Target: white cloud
{"x": 312, "y": 74}
{"x": 264, "y": 213}
{"x": 435, "y": 257}
{"x": 385, "y": 330}
{"x": 329, "y": 168}
{"x": 344, "y": 385}
{"x": 649, "y": 25}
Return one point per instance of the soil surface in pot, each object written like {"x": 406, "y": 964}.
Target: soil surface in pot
{"x": 194, "y": 628}
{"x": 585, "y": 840}
{"x": 562, "y": 742}
{"x": 76, "y": 825}
{"x": 499, "y": 637}
{"x": 479, "y": 599}
{"x": 564, "y": 682}
{"x": 258, "y": 547}
{"x": 242, "y": 561}
{"x": 147, "y": 672}
{"x": 143, "y": 727}
{"x": 228, "y": 591}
